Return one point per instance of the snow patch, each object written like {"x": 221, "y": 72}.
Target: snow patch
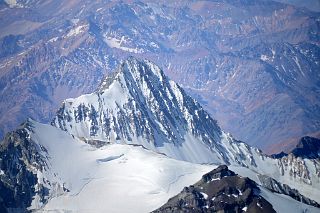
{"x": 77, "y": 30}
{"x": 11, "y": 3}
{"x": 214, "y": 179}
{"x": 259, "y": 205}
{"x": 119, "y": 44}
{"x": 264, "y": 58}
{"x": 204, "y": 195}
{"x": 54, "y": 39}
{"x": 296, "y": 60}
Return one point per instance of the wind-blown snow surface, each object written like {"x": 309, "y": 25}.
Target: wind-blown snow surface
{"x": 137, "y": 104}
{"x": 117, "y": 177}
{"x": 114, "y": 178}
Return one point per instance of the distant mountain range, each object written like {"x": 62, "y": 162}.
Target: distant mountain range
{"x": 253, "y": 65}
{"x": 137, "y": 141}
{"x": 313, "y": 5}
{"x": 307, "y": 147}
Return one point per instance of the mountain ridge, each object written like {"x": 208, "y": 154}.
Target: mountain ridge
{"x": 307, "y": 147}
{"x": 195, "y": 146}
{"x": 91, "y": 138}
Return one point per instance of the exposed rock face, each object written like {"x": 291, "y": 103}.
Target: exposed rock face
{"x": 295, "y": 163}
{"x": 296, "y": 167}
{"x": 275, "y": 186}
{"x": 307, "y": 147}
{"x": 220, "y": 190}
{"x": 25, "y": 175}
{"x": 19, "y": 162}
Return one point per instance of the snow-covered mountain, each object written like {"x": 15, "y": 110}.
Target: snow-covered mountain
{"x": 45, "y": 169}
{"x": 138, "y": 137}
{"x": 42, "y": 165}
{"x": 138, "y": 104}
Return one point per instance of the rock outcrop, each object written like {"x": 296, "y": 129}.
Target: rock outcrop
{"x": 220, "y": 190}
{"x": 19, "y": 162}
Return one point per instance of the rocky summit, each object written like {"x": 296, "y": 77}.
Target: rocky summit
{"x": 307, "y": 147}
{"x": 220, "y": 190}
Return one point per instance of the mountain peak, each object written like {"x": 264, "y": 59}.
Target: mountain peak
{"x": 221, "y": 191}
{"x": 141, "y": 106}
{"x": 133, "y": 69}
{"x": 138, "y": 104}
{"x": 307, "y": 147}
